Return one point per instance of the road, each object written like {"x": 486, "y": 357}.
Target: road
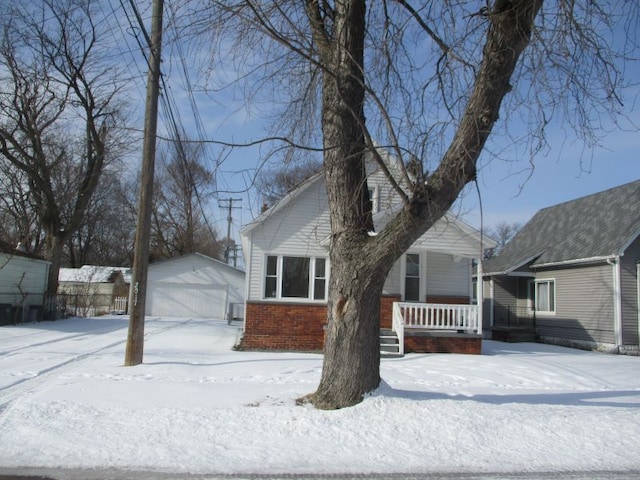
{"x": 49, "y": 474}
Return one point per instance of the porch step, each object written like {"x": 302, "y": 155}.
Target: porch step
{"x": 389, "y": 344}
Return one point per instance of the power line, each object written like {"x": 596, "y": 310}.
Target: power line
{"x": 230, "y": 208}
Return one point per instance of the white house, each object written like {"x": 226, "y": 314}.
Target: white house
{"x": 286, "y": 256}
{"x": 23, "y": 282}
{"x": 194, "y": 285}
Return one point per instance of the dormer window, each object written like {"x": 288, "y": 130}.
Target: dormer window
{"x": 373, "y": 196}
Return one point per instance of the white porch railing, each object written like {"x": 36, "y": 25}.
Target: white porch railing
{"x": 434, "y": 316}
{"x": 397, "y": 324}
{"x": 120, "y": 305}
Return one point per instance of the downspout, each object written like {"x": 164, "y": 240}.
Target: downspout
{"x": 638, "y": 301}
{"x": 617, "y": 301}
{"x": 492, "y": 302}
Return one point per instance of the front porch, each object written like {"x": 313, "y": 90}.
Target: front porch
{"x": 436, "y": 328}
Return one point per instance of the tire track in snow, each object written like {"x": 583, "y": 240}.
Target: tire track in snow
{"x": 11, "y": 393}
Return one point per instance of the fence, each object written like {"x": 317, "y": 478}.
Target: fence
{"x": 85, "y": 305}
{"x": 513, "y": 317}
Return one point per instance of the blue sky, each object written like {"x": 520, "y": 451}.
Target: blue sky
{"x": 511, "y": 191}
{"x": 514, "y": 192}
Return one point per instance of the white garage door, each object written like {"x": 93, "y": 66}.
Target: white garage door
{"x": 186, "y": 300}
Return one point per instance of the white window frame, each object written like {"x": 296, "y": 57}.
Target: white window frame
{"x": 312, "y": 279}
{"x": 421, "y": 279}
{"x": 374, "y": 193}
{"x": 536, "y": 284}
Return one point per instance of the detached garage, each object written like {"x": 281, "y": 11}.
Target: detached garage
{"x": 193, "y": 286}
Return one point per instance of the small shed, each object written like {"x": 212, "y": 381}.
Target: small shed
{"x": 194, "y": 285}
{"x": 23, "y": 282}
{"x": 92, "y": 289}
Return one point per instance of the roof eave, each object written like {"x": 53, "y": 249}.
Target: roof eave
{"x": 575, "y": 261}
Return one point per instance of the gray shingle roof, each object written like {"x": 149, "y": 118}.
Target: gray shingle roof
{"x": 595, "y": 226}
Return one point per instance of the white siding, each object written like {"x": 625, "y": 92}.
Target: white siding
{"x": 296, "y": 229}
{"x": 23, "y": 281}
{"x": 447, "y": 236}
{"x": 299, "y": 226}
{"x": 193, "y": 286}
{"x": 448, "y": 275}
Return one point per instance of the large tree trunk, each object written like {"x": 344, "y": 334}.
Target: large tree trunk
{"x": 359, "y": 262}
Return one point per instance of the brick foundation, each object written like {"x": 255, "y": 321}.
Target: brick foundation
{"x": 437, "y": 342}
{"x": 300, "y": 327}
{"x": 284, "y": 326}
{"x": 386, "y": 309}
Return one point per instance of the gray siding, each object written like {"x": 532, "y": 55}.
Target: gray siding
{"x": 584, "y": 304}
{"x": 629, "y": 292}
{"x": 23, "y": 281}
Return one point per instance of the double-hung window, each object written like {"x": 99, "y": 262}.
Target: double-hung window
{"x": 545, "y": 296}
{"x": 295, "y": 277}
{"x": 412, "y": 277}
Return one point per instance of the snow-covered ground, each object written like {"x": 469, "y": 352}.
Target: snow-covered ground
{"x": 195, "y": 405}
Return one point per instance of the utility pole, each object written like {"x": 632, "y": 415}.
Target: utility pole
{"x": 230, "y": 207}
{"x": 138, "y": 292}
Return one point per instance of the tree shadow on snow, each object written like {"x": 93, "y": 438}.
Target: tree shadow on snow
{"x": 622, "y": 398}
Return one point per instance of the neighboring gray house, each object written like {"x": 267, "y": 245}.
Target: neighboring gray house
{"x": 23, "y": 282}
{"x": 571, "y": 275}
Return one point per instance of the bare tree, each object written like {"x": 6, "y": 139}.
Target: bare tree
{"x": 106, "y": 234}
{"x": 422, "y": 82}
{"x": 184, "y": 187}
{"x": 275, "y": 182}
{"x": 59, "y": 110}
{"x": 502, "y": 233}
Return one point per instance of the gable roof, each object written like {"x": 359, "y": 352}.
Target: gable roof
{"x": 91, "y": 274}
{"x": 595, "y": 227}
{"x": 7, "y": 249}
{"x": 201, "y": 257}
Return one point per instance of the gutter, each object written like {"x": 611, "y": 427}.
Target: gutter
{"x": 602, "y": 258}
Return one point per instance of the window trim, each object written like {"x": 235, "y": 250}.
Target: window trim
{"x": 312, "y": 279}
{"x": 421, "y": 276}
{"x": 554, "y": 306}
{"x": 374, "y": 193}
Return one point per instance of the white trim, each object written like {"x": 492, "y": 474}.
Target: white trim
{"x": 617, "y": 301}
{"x": 603, "y": 258}
{"x": 422, "y": 275}
{"x": 492, "y": 301}
{"x": 278, "y": 277}
{"x": 549, "y": 313}
{"x": 374, "y": 196}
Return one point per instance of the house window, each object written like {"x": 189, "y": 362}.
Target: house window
{"x": 412, "y": 277}
{"x": 545, "y": 296}
{"x": 295, "y": 277}
{"x": 320, "y": 279}
{"x": 373, "y": 196}
{"x": 271, "y": 280}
